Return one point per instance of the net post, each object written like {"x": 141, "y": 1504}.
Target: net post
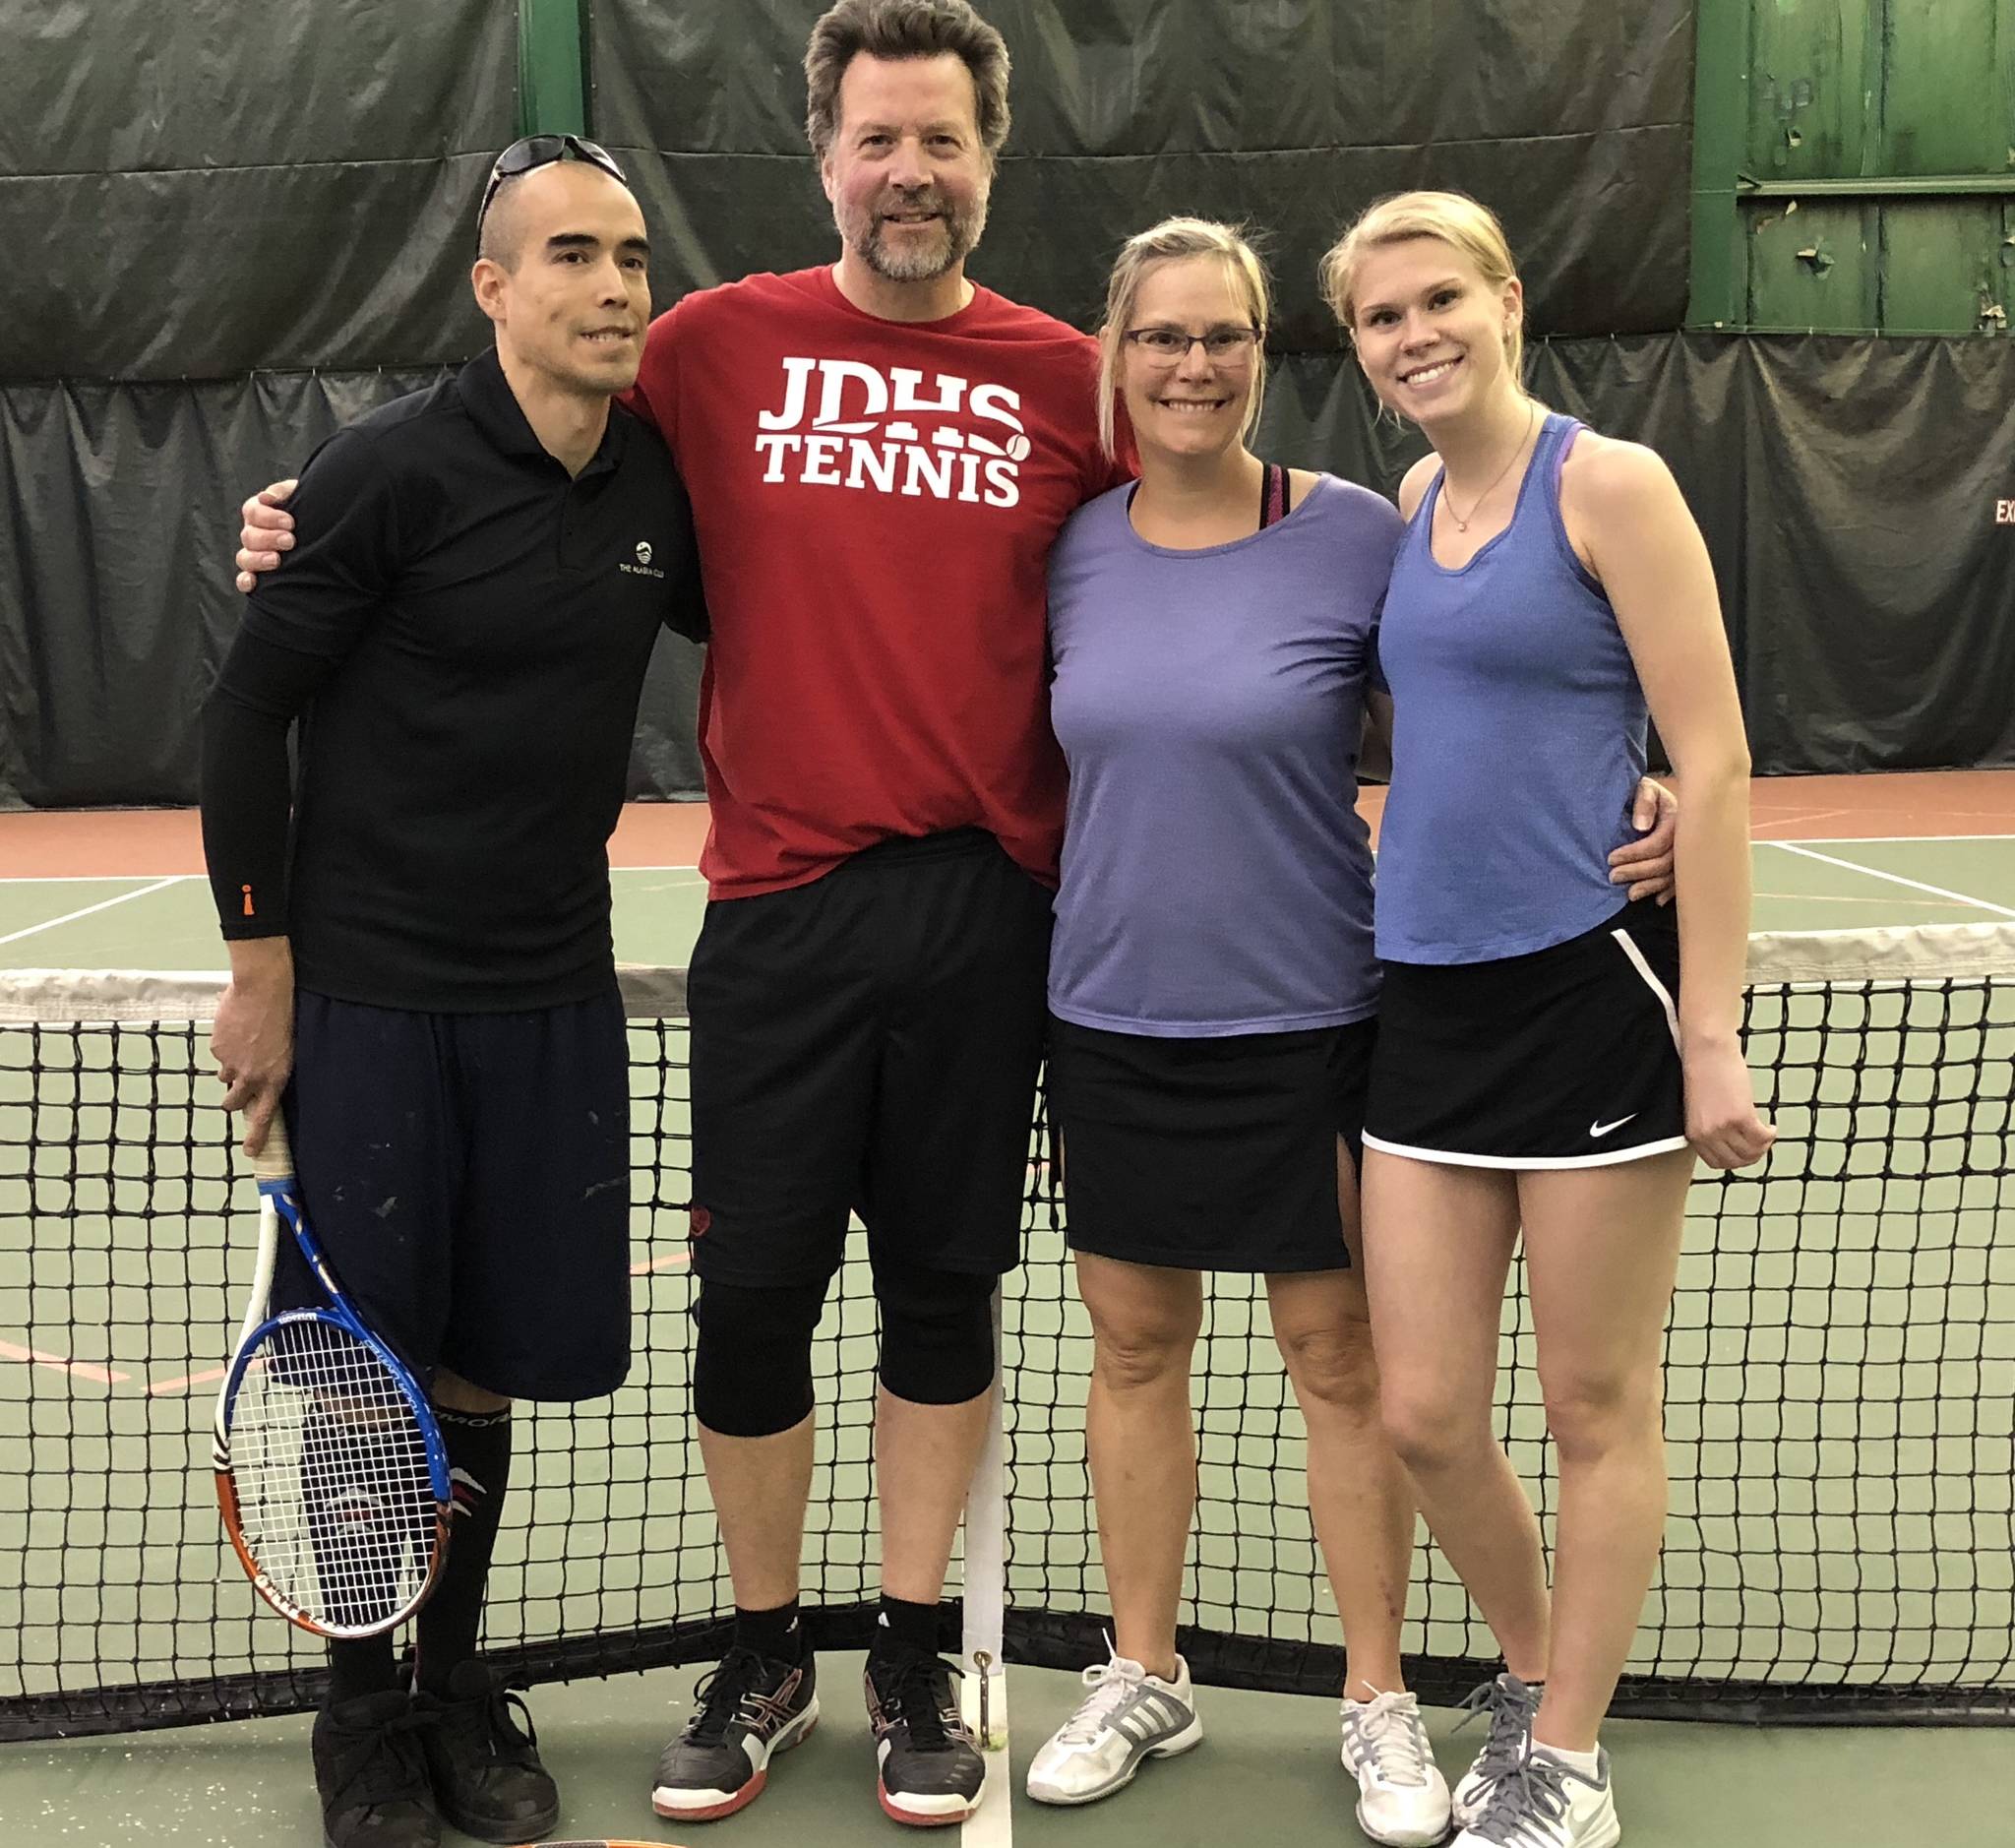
{"x": 983, "y": 1696}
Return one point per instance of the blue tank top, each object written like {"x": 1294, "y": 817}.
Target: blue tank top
{"x": 1519, "y": 736}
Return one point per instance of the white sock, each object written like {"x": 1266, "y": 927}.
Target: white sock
{"x": 1588, "y": 1764}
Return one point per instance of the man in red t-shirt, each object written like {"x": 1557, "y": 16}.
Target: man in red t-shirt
{"x": 879, "y": 455}
{"x": 885, "y": 452}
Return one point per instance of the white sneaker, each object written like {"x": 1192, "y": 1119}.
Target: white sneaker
{"x": 1511, "y": 1706}
{"x": 1128, "y": 1717}
{"x": 1402, "y": 1796}
{"x": 1543, "y": 1802}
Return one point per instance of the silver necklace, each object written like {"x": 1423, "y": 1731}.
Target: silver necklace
{"x": 1462, "y": 525}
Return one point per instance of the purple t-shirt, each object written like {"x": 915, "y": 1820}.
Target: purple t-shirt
{"x": 1217, "y": 879}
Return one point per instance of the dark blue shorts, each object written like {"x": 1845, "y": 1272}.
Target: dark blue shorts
{"x": 468, "y": 1175}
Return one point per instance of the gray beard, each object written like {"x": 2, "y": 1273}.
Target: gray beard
{"x": 957, "y": 233}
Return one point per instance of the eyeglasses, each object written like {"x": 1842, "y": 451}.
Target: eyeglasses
{"x": 541, "y": 150}
{"x": 1169, "y": 347}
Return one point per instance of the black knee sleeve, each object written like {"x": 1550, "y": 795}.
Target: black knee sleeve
{"x": 937, "y": 1334}
{"x": 751, "y": 1359}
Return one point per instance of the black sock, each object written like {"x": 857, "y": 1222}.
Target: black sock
{"x": 479, "y": 1460}
{"x": 360, "y": 1666}
{"x": 778, "y": 1635}
{"x": 905, "y": 1629}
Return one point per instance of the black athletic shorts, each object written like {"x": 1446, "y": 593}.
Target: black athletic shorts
{"x": 869, "y": 1042}
{"x": 1565, "y": 1057}
{"x": 1209, "y": 1154}
{"x": 469, "y": 1176}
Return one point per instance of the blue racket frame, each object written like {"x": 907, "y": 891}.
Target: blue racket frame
{"x": 277, "y": 1192}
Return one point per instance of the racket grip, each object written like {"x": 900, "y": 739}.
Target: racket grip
{"x": 276, "y": 1161}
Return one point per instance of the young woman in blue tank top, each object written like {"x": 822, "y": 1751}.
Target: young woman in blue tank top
{"x": 1212, "y": 987}
{"x": 1539, "y": 1064}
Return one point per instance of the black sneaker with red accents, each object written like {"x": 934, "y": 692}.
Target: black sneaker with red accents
{"x": 751, "y": 1709}
{"x": 931, "y": 1771}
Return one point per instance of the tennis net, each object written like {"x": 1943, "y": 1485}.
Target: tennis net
{"x": 1840, "y": 1368}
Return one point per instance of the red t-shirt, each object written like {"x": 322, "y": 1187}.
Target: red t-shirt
{"x": 875, "y": 502}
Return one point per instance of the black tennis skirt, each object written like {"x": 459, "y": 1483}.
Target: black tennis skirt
{"x": 1209, "y": 1154}
{"x": 1565, "y": 1057}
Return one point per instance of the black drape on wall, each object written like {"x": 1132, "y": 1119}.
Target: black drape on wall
{"x": 251, "y": 225}
{"x": 118, "y": 518}
{"x": 211, "y": 187}
{"x": 1573, "y": 117}
{"x": 1847, "y": 490}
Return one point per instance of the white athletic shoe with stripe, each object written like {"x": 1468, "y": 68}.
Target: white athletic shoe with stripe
{"x": 1402, "y": 1796}
{"x": 1543, "y": 1802}
{"x": 1128, "y": 1717}
{"x": 1507, "y": 1707}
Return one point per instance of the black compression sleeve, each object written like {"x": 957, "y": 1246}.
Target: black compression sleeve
{"x": 247, "y": 798}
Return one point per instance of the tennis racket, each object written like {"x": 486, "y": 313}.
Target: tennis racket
{"x": 330, "y": 1468}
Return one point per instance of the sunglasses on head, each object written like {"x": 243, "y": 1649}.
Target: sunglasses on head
{"x": 541, "y": 150}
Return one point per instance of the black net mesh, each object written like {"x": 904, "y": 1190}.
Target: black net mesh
{"x": 1840, "y": 1396}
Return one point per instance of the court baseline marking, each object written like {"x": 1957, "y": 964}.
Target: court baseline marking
{"x": 103, "y": 904}
{"x": 1841, "y": 897}
{"x": 1895, "y": 878}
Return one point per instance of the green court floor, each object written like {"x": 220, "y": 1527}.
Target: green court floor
{"x": 1266, "y": 1772}
{"x": 1270, "y": 1761}
{"x": 1826, "y": 884}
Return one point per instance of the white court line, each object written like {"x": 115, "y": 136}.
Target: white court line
{"x": 1895, "y": 878}
{"x": 992, "y": 1825}
{"x": 1870, "y": 840}
{"x": 103, "y": 904}
{"x": 1840, "y": 897}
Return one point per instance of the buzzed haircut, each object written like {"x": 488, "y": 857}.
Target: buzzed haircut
{"x": 502, "y": 240}
{"x": 503, "y": 234}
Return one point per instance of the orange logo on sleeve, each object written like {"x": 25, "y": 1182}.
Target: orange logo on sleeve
{"x": 251, "y": 910}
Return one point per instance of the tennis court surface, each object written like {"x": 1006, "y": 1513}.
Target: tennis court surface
{"x": 1841, "y": 1394}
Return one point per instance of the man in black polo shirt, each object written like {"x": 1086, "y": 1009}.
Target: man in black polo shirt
{"x": 425, "y": 968}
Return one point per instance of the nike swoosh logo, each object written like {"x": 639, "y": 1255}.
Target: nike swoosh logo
{"x": 1596, "y": 1131}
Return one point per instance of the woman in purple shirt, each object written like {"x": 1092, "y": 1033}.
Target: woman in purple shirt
{"x": 1212, "y": 993}
{"x": 1540, "y": 1068}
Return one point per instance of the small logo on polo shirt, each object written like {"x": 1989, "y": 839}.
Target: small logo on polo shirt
{"x": 2004, "y": 512}
{"x": 644, "y": 568}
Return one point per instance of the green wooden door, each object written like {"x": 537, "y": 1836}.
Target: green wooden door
{"x": 1874, "y": 173}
